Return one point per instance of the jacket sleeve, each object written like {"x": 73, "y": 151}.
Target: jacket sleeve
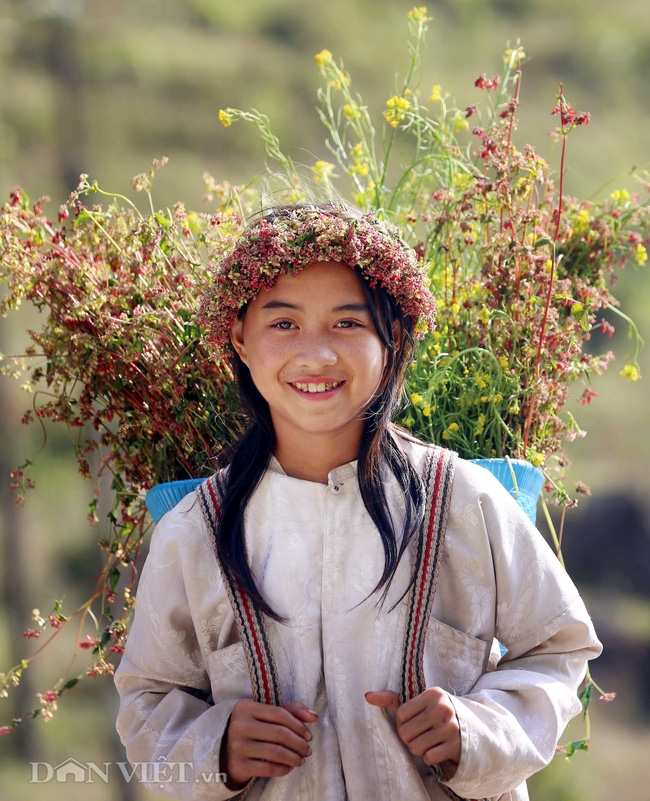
{"x": 171, "y": 727}
{"x": 513, "y": 717}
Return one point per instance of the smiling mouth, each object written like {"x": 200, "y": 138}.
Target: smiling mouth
{"x": 322, "y": 387}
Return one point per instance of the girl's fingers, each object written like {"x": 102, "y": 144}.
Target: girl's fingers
{"x": 278, "y": 753}
{"x": 253, "y": 710}
{"x": 256, "y": 734}
{"x": 439, "y": 743}
{"x": 301, "y": 712}
{"x": 386, "y": 699}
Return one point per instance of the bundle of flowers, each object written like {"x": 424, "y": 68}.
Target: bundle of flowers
{"x": 522, "y": 273}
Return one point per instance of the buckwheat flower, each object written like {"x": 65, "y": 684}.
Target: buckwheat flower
{"x": 630, "y": 372}
{"x": 323, "y": 58}
{"x": 226, "y": 118}
{"x": 640, "y": 254}
{"x": 4, "y": 731}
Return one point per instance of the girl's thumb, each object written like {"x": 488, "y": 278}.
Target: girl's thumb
{"x": 386, "y": 699}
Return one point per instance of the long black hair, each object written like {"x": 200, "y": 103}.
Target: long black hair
{"x": 379, "y": 450}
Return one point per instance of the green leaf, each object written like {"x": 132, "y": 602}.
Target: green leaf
{"x": 576, "y": 745}
{"x": 162, "y": 220}
{"x": 68, "y": 685}
{"x": 113, "y": 578}
{"x": 585, "y": 697}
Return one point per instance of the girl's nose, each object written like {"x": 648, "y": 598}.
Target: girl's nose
{"x": 315, "y": 352}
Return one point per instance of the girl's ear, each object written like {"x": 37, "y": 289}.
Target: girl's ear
{"x": 237, "y": 339}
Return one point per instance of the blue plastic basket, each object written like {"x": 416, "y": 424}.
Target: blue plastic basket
{"x": 164, "y": 497}
{"x": 523, "y": 481}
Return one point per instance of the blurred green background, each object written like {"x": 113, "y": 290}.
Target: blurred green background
{"x": 103, "y": 88}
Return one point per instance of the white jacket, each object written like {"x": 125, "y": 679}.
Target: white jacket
{"x": 316, "y": 556}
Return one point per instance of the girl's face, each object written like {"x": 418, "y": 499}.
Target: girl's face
{"x": 313, "y": 353}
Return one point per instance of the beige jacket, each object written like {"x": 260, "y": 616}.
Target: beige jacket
{"x": 317, "y": 555}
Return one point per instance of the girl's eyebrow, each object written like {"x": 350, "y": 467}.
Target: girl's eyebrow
{"x": 346, "y": 307}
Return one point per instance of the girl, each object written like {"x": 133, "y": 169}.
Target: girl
{"x": 317, "y": 621}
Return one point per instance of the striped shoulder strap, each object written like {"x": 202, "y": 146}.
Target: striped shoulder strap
{"x": 427, "y": 556}
{"x": 249, "y": 619}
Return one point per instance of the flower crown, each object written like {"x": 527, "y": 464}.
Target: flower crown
{"x": 290, "y": 238}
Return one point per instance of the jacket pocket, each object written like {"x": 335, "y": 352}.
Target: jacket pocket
{"x": 453, "y": 660}
{"x": 228, "y": 672}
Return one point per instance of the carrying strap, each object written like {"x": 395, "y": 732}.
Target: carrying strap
{"x": 427, "y": 556}
{"x": 249, "y": 619}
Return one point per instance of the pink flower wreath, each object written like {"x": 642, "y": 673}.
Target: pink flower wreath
{"x": 290, "y": 238}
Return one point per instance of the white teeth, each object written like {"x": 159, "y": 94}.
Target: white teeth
{"x": 323, "y": 387}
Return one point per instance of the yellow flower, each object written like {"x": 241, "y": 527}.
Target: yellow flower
{"x": 620, "y": 195}
{"x": 396, "y": 108}
{"x": 449, "y": 432}
{"x": 534, "y": 457}
{"x": 484, "y": 314}
{"x": 480, "y": 426}
{"x": 416, "y": 399}
{"x": 631, "y": 372}
{"x": 436, "y": 94}
{"x": 426, "y": 411}
{"x": 322, "y": 58}
{"x": 514, "y": 56}
{"x": 549, "y": 266}
{"x": 226, "y": 117}
{"x": 463, "y": 180}
{"x": 322, "y": 171}
{"x": 503, "y": 360}
{"x": 351, "y": 111}
{"x": 459, "y": 123}
{"x": 582, "y": 221}
{"x": 640, "y": 254}
{"x": 419, "y": 14}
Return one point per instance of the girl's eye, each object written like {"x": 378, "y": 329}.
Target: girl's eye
{"x": 283, "y": 325}
{"x": 348, "y": 324}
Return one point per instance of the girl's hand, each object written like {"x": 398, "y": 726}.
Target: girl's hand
{"x": 264, "y": 740}
{"x": 427, "y": 724}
